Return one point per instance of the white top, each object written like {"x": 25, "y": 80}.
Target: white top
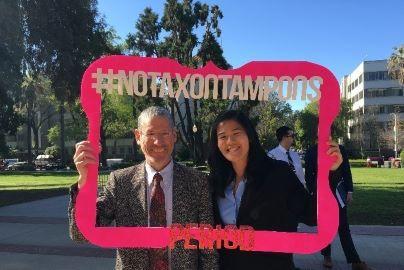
{"x": 279, "y": 153}
{"x": 166, "y": 185}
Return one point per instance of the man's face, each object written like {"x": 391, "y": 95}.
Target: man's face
{"x": 156, "y": 138}
{"x": 288, "y": 139}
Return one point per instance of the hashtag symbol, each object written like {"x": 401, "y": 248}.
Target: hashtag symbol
{"x": 99, "y": 84}
{"x": 109, "y": 81}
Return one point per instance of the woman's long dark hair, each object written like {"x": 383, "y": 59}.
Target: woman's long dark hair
{"x": 221, "y": 170}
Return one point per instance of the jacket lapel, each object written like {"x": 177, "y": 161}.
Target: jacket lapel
{"x": 139, "y": 196}
{"x": 178, "y": 189}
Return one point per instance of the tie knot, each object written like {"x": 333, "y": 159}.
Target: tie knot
{"x": 157, "y": 178}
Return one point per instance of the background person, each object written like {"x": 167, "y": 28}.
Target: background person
{"x": 343, "y": 192}
{"x": 283, "y": 151}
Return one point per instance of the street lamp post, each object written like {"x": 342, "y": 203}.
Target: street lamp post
{"x": 194, "y": 130}
{"x": 395, "y": 134}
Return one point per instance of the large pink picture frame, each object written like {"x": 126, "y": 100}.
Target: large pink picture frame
{"x": 138, "y": 237}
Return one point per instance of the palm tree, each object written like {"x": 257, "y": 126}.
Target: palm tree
{"x": 395, "y": 64}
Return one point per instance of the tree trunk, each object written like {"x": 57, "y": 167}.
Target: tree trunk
{"x": 104, "y": 148}
{"x": 62, "y": 133}
{"x": 35, "y": 130}
{"x": 29, "y": 143}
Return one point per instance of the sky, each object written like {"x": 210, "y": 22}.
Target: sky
{"x": 337, "y": 34}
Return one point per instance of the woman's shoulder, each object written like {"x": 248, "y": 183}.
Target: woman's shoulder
{"x": 276, "y": 165}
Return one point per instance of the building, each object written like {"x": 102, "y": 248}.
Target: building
{"x": 377, "y": 101}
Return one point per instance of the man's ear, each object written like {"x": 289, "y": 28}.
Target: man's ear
{"x": 175, "y": 134}
{"x": 137, "y": 135}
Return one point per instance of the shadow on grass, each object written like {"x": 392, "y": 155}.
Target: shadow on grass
{"x": 9, "y": 197}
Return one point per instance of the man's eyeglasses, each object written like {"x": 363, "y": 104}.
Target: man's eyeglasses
{"x": 290, "y": 135}
{"x": 155, "y": 136}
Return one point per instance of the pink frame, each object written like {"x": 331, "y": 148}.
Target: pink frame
{"x": 145, "y": 237}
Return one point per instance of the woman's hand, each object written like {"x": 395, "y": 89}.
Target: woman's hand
{"x": 334, "y": 151}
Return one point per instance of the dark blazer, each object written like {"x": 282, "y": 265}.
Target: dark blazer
{"x": 344, "y": 170}
{"x": 276, "y": 203}
{"x": 124, "y": 202}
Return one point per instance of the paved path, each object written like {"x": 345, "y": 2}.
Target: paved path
{"x": 35, "y": 236}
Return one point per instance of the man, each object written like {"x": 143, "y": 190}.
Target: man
{"x": 285, "y": 137}
{"x": 171, "y": 192}
{"x": 343, "y": 191}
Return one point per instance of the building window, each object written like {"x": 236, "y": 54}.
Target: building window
{"x": 381, "y": 109}
{"x": 360, "y": 79}
{"x": 356, "y": 82}
{"x": 376, "y": 76}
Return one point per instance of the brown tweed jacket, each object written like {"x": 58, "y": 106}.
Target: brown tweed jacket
{"x": 124, "y": 202}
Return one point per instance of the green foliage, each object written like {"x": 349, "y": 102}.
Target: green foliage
{"x": 37, "y": 99}
{"x": 181, "y": 21}
{"x": 341, "y": 122}
{"x": 209, "y": 110}
{"x": 145, "y": 40}
{"x": 306, "y": 126}
{"x": 62, "y": 38}
{"x": 53, "y": 151}
{"x": 269, "y": 116}
{"x": 53, "y": 135}
{"x": 395, "y": 64}
{"x": 11, "y": 54}
{"x": 117, "y": 116}
{"x": 76, "y": 129}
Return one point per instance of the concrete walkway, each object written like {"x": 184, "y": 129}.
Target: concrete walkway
{"x": 35, "y": 236}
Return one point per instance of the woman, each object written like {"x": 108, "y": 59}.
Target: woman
{"x": 252, "y": 189}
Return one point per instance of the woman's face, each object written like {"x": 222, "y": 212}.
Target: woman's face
{"x": 232, "y": 141}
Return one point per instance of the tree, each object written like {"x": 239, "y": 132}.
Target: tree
{"x": 11, "y": 55}
{"x": 36, "y": 107}
{"x": 306, "y": 125}
{"x": 117, "y": 120}
{"x": 269, "y": 116}
{"x": 146, "y": 40}
{"x": 340, "y": 124}
{"x": 180, "y": 21}
{"x": 395, "y": 64}
{"x": 62, "y": 38}
{"x": 367, "y": 133}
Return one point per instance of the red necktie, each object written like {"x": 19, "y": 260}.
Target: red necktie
{"x": 158, "y": 257}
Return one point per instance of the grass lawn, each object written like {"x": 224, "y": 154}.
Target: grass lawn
{"x": 18, "y": 187}
{"x": 37, "y": 180}
{"x": 378, "y": 195}
{"x": 21, "y": 187}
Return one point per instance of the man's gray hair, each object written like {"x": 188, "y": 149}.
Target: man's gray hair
{"x": 153, "y": 111}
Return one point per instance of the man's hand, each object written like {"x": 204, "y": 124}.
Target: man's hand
{"x": 84, "y": 155}
{"x": 334, "y": 151}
